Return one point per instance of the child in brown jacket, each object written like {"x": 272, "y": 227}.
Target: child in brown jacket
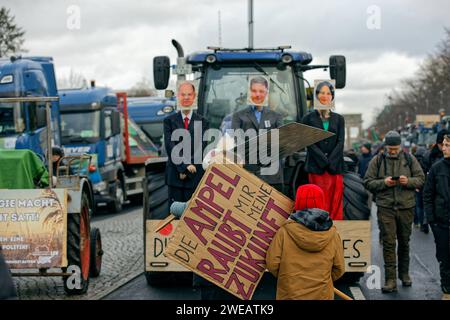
{"x": 306, "y": 254}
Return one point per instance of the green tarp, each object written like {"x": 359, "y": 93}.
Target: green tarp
{"x": 22, "y": 169}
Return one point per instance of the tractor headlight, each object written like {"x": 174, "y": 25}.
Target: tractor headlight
{"x": 99, "y": 187}
{"x": 211, "y": 58}
{"x": 167, "y": 109}
{"x": 7, "y": 79}
{"x": 286, "y": 58}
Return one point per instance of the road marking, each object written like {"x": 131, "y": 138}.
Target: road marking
{"x": 357, "y": 293}
{"x": 423, "y": 265}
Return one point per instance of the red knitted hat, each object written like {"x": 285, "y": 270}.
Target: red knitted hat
{"x": 309, "y": 196}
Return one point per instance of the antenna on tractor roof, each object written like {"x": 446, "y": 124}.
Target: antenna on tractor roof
{"x": 250, "y": 24}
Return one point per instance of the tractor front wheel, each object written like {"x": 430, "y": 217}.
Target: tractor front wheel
{"x": 78, "y": 249}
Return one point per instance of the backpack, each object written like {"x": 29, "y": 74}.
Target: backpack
{"x": 381, "y": 159}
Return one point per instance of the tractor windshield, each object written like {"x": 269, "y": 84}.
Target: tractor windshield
{"x": 81, "y": 127}
{"x": 226, "y": 92}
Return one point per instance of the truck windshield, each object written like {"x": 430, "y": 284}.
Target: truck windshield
{"x": 226, "y": 92}
{"x": 154, "y": 131}
{"x": 11, "y": 118}
{"x": 80, "y": 127}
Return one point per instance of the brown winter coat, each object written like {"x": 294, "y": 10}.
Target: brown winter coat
{"x": 306, "y": 262}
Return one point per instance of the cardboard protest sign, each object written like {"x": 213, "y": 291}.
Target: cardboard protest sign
{"x": 227, "y": 228}
{"x": 156, "y": 242}
{"x": 356, "y": 241}
{"x": 428, "y": 120}
{"x": 33, "y": 228}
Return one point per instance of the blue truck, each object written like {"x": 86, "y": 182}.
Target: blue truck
{"x": 93, "y": 122}
{"x": 30, "y": 119}
{"x": 223, "y": 76}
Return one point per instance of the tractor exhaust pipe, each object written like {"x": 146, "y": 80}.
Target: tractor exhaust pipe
{"x": 178, "y": 47}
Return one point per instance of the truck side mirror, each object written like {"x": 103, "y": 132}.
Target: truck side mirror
{"x": 41, "y": 117}
{"x": 115, "y": 125}
{"x": 161, "y": 72}
{"x": 338, "y": 70}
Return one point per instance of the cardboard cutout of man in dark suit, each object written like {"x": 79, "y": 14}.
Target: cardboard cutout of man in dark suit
{"x": 183, "y": 178}
{"x": 255, "y": 117}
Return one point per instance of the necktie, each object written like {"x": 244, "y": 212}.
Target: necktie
{"x": 186, "y": 122}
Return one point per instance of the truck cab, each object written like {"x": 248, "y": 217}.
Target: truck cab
{"x": 23, "y": 124}
{"x": 90, "y": 123}
{"x": 93, "y": 122}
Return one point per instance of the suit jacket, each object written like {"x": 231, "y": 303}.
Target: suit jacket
{"x": 245, "y": 120}
{"x": 172, "y": 123}
{"x": 328, "y": 154}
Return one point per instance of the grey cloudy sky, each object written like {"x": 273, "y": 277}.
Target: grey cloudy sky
{"x": 117, "y": 39}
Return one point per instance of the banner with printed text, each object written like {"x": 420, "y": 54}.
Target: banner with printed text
{"x": 33, "y": 228}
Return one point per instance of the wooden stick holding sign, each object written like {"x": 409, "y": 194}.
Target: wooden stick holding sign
{"x": 341, "y": 294}
{"x": 165, "y": 222}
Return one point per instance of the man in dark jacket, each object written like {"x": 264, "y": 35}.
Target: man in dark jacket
{"x": 325, "y": 159}
{"x": 364, "y": 159}
{"x": 436, "y": 197}
{"x": 435, "y": 154}
{"x": 393, "y": 177}
{"x": 7, "y": 289}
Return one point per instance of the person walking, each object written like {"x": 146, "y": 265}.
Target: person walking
{"x": 364, "y": 159}
{"x": 436, "y": 197}
{"x": 393, "y": 177}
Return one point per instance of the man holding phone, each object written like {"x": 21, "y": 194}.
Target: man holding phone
{"x": 393, "y": 177}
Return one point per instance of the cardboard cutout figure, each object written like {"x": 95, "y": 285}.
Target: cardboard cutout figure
{"x": 324, "y": 94}
{"x": 187, "y": 95}
{"x": 258, "y": 91}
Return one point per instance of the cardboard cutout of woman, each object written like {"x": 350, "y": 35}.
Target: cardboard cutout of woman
{"x": 325, "y": 159}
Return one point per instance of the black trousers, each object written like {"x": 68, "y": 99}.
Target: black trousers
{"x": 441, "y": 238}
{"x": 179, "y": 194}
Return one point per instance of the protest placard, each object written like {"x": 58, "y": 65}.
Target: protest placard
{"x": 227, "y": 228}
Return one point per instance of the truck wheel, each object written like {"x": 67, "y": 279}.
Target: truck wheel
{"x": 96, "y": 253}
{"x": 119, "y": 198}
{"x": 355, "y": 198}
{"x": 78, "y": 248}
